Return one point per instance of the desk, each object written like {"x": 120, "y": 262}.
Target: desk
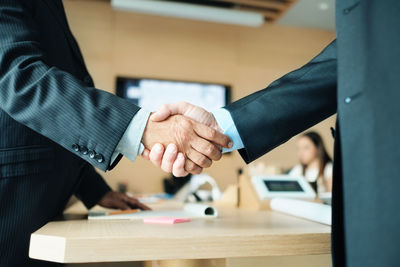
{"x": 234, "y": 235}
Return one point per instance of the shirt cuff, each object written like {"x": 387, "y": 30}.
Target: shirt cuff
{"x": 130, "y": 144}
{"x": 225, "y": 122}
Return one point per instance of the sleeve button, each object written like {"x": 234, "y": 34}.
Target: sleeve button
{"x": 92, "y": 154}
{"x": 347, "y": 100}
{"x": 99, "y": 158}
{"x": 84, "y": 150}
{"x": 76, "y": 147}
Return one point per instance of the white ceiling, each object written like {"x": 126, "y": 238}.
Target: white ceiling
{"x": 319, "y": 14}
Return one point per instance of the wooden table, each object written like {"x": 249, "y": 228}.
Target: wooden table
{"x": 234, "y": 235}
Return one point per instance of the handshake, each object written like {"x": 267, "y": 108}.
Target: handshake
{"x": 182, "y": 138}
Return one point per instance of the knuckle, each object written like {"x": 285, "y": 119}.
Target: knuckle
{"x": 212, "y": 133}
{"x": 210, "y": 150}
{"x": 197, "y": 170}
{"x": 207, "y": 164}
{"x": 203, "y": 161}
{"x": 218, "y": 155}
{"x": 184, "y": 138}
{"x": 186, "y": 122}
{"x": 181, "y": 137}
{"x": 189, "y": 166}
{"x": 191, "y": 169}
{"x": 164, "y": 108}
{"x": 183, "y": 103}
{"x": 169, "y": 157}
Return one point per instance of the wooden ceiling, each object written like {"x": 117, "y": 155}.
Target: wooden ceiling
{"x": 272, "y": 9}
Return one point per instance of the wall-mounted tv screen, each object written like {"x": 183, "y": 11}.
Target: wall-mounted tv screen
{"x": 150, "y": 94}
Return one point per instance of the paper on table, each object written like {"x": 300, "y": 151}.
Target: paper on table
{"x": 189, "y": 211}
{"x": 308, "y": 210}
{"x": 165, "y": 220}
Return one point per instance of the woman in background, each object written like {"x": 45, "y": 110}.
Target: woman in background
{"x": 315, "y": 163}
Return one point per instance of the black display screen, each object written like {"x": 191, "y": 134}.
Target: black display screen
{"x": 283, "y": 186}
{"x": 151, "y": 94}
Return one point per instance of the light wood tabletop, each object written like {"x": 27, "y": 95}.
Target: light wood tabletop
{"x": 235, "y": 233}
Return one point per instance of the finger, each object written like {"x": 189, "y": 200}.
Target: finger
{"x": 146, "y": 154}
{"x": 169, "y": 157}
{"x": 168, "y": 110}
{"x": 212, "y": 135}
{"x": 162, "y": 114}
{"x": 204, "y": 147}
{"x": 135, "y": 203}
{"x": 192, "y": 168}
{"x": 156, "y": 154}
{"x": 178, "y": 168}
{"x": 198, "y": 158}
{"x": 122, "y": 205}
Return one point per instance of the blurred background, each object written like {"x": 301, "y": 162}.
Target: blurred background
{"x": 240, "y": 45}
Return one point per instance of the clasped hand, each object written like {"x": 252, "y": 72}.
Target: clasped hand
{"x": 191, "y": 136}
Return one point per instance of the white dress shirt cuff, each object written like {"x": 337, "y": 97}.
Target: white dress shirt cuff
{"x": 130, "y": 144}
{"x": 225, "y": 122}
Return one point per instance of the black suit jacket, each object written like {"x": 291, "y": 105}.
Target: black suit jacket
{"x": 358, "y": 76}
{"x": 52, "y": 121}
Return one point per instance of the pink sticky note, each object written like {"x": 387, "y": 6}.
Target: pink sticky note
{"x": 166, "y": 220}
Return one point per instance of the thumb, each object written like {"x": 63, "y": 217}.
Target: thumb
{"x": 162, "y": 114}
{"x": 168, "y": 110}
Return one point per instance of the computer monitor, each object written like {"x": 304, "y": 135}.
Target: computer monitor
{"x": 150, "y": 93}
{"x": 286, "y": 186}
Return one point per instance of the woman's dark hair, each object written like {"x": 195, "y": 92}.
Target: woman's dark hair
{"x": 322, "y": 154}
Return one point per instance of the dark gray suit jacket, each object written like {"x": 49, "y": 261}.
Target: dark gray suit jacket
{"x": 54, "y": 124}
{"x": 358, "y": 75}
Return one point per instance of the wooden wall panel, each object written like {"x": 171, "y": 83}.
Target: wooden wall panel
{"x": 119, "y": 43}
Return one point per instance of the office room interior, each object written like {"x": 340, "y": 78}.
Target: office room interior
{"x": 273, "y": 211}
{"x": 127, "y": 44}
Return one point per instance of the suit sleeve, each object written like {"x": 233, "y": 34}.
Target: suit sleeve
{"x": 53, "y": 102}
{"x": 92, "y": 186}
{"x": 290, "y": 105}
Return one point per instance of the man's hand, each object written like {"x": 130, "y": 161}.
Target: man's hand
{"x": 200, "y": 144}
{"x": 169, "y": 160}
{"x": 188, "y": 110}
{"x": 117, "y": 200}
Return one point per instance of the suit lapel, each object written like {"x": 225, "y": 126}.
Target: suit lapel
{"x": 58, "y": 13}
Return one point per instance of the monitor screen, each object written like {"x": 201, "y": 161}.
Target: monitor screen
{"x": 150, "y": 94}
{"x": 283, "y": 186}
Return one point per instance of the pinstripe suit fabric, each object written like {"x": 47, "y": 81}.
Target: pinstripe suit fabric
{"x": 47, "y": 104}
{"x": 357, "y": 75}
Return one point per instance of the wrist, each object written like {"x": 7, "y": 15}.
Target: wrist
{"x": 155, "y": 132}
{"x": 215, "y": 124}
{"x": 146, "y": 133}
